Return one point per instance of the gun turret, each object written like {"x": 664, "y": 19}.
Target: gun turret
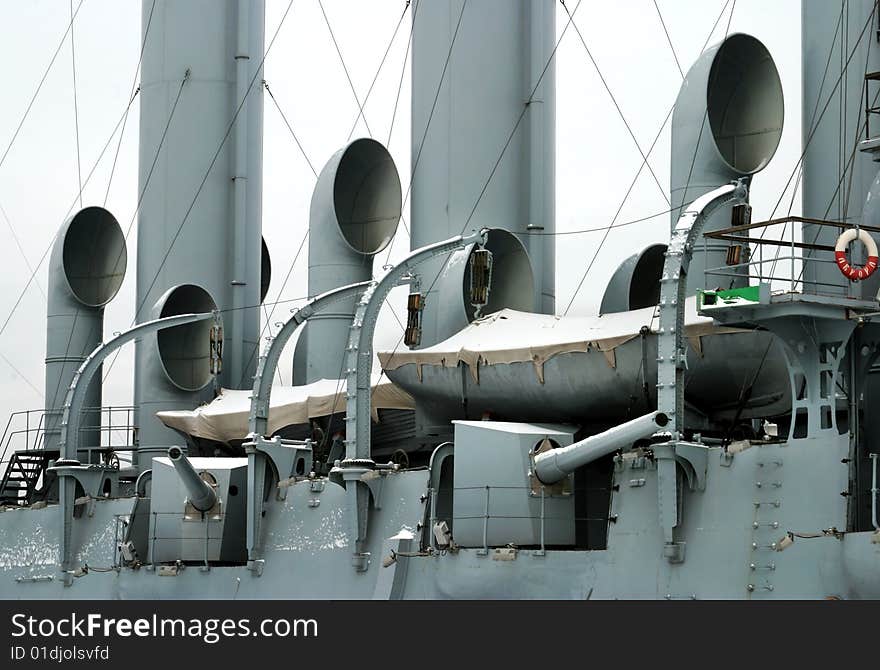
{"x": 551, "y": 466}
{"x": 201, "y": 495}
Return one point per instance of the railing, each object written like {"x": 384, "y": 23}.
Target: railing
{"x": 26, "y": 430}
{"x": 786, "y": 273}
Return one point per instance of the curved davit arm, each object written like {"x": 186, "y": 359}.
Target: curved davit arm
{"x": 258, "y": 420}
{"x": 671, "y": 353}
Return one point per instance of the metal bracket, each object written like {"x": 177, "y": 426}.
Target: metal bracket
{"x": 694, "y": 459}
{"x": 90, "y": 476}
{"x": 283, "y": 456}
{"x": 352, "y": 474}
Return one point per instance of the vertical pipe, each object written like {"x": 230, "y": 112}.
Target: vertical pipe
{"x": 541, "y": 161}
{"x": 239, "y": 281}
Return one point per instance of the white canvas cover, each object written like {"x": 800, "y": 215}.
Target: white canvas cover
{"x": 509, "y": 336}
{"x": 226, "y": 417}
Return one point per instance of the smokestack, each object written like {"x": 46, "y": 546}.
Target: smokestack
{"x": 198, "y": 252}
{"x": 727, "y": 124}
{"x": 86, "y": 270}
{"x": 354, "y": 212}
{"x": 500, "y": 51}
{"x": 839, "y": 43}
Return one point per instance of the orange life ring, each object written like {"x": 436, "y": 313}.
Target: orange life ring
{"x": 854, "y": 272}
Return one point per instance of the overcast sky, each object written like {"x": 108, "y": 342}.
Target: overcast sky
{"x": 596, "y": 157}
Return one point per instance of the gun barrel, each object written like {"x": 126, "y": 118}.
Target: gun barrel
{"x": 551, "y": 466}
{"x": 201, "y": 495}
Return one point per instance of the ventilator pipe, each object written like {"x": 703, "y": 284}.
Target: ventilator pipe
{"x": 727, "y": 124}
{"x": 201, "y": 495}
{"x": 551, "y": 466}
{"x": 176, "y": 369}
{"x": 86, "y": 270}
{"x": 355, "y": 208}
{"x": 636, "y": 283}
{"x": 511, "y": 286}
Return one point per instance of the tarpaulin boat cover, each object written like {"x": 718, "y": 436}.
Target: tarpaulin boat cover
{"x": 509, "y": 336}
{"x": 226, "y": 417}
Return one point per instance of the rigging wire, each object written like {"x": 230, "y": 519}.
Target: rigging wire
{"x": 20, "y": 249}
{"x": 134, "y": 91}
{"x": 619, "y": 110}
{"x": 639, "y": 171}
{"x": 620, "y": 207}
{"x": 668, "y": 39}
{"x": 813, "y": 127}
{"x": 376, "y": 76}
{"x": 402, "y": 71}
{"x": 289, "y": 128}
{"x": 40, "y": 85}
{"x": 33, "y": 274}
{"x": 812, "y": 133}
{"x": 82, "y": 184}
{"x": 75, "y": 105}
{"x": 345, "y": 68}
{"x": 9, "y": 148}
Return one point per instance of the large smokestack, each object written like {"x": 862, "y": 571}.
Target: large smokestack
{"x": 197, "y": 252}
{"x": 499, "y": 53}
{"x": 839, "y": 45}
{"x": 86, "y": 270}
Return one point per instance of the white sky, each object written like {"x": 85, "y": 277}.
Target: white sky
{"x": 596, "y": 157}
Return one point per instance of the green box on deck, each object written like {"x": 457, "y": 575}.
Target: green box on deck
{"x": 730, "y": 297}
